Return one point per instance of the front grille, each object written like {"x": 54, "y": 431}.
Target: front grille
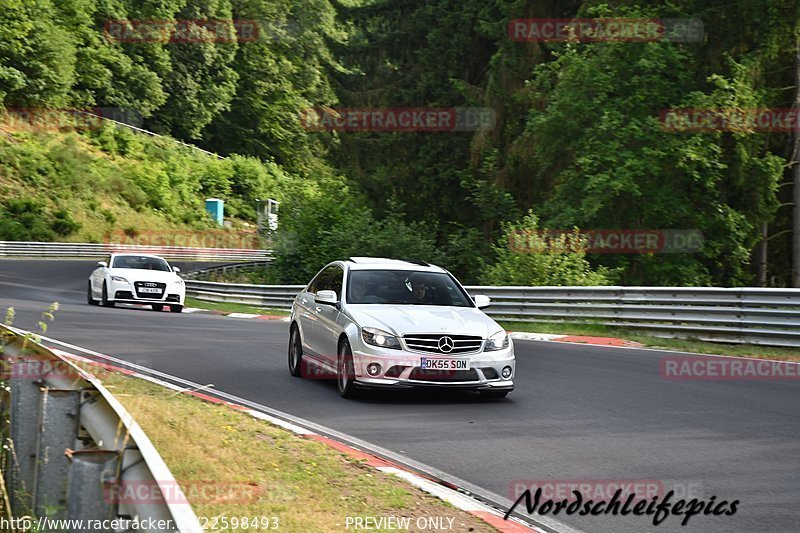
{"x": 139, "y": 285}
{"x": 444, "y": 375}
{"x": 429, "y": 343}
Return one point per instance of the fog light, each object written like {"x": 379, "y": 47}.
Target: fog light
{"x": 506, "y": 372}
{"x": 373, "y": 369}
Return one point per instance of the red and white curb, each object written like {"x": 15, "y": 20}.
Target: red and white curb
{"x": 578, "y": 339}
{"x": 236, "y": 315}
{"x": 432, "y": 486}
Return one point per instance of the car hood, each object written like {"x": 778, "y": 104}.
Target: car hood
{"x": 140, "y": 274}
{"x": 405, "y": 319}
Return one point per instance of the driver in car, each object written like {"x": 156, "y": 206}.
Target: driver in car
{"x": 419, "y": 293}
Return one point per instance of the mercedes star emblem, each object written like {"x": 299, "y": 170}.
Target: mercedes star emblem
{"x": 446, "y": 344}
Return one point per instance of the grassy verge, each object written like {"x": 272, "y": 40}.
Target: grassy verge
{"x": 233, "y": 307}
{"x": 305, "y": 484}
{"x": 686, "y": 345}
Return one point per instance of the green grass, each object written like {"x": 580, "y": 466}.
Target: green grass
{"x": 685, "y": 345}
{"x": 307, "y": 485}
{"x": 233, "y": 307}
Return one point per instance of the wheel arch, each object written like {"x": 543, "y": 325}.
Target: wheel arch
{"x": 342, "y": 337}
{"x": 350, "y": 332}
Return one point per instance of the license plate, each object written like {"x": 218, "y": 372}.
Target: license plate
{"x": 154, "y": 290}
{"x": 427, "y": 363}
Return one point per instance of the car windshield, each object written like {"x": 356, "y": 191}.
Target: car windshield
{"x": 404, "y": 287}
{"x": 141, "y": 262}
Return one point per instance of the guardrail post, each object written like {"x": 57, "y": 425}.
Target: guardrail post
{"x": 90, "y": 484}
{"x": 58, "y": 430}
{"x": 25, "y": 401}
{"x": 740, "y": 304}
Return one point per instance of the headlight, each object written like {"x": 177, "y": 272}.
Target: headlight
{"x": 498, "y": 341}
{"x": 119, "y": 279}
{"x": 378, "y": 337}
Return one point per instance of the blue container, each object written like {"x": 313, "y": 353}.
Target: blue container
{"x": 216, "y": 207}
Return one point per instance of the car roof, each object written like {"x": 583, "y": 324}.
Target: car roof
{"x": 382, "y": 263}
{"x": 135, "y": 254}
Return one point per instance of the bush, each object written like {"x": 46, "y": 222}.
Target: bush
{"x": 517, "y": 266}
{"x": 25, "y": 219}
{"x": 317, "y": 229}
{"x": 63, "y": 224}
{"x": 466, "y": 254}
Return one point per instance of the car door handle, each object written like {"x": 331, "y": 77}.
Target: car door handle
{"x": 319, "y": 309}
{"x": 303, "y": 301}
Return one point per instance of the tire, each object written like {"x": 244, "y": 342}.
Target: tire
{"x": 89, "y": 299}
{"x": 175, "y": 308}
{"x": 157, "y": 307}
{"x": 295, "y": 353}
{"x": 106, "y": 302}
{"x": 494, "y": 394}
{"x": 345, "y": 373}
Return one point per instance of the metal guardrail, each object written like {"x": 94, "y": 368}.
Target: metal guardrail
{"x": 271, "y": 296}
{"x": 152, "y": 134}
{"x": 91, "y": 250}
{"x": 224, "y": 269}
{"x": 768, "y": 317}
{"x": 70, "y": 443}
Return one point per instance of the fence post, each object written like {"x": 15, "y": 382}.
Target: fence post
{"x": 58, "y": 430}
{"x": 25, "y": 402}
{"x": 91, "y": 482}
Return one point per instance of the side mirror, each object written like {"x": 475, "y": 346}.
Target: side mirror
{"x": 176, "y": 269}
{"x": 481, "y": 301}
{"x": 326, "y": 297}
{"x": 102, "y": 264}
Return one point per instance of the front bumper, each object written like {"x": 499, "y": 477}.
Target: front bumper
{"x": 122, "y": 292}
{"x": 400, "y": 369}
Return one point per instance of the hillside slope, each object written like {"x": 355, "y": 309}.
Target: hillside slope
{"x": 85, "y": 186}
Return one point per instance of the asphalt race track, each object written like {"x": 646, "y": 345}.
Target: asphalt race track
{"x": 578, "y": 413}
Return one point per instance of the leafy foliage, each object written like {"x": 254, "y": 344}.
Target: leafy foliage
{"x": 527, "y": 265}
{"x": 577, "y": 138}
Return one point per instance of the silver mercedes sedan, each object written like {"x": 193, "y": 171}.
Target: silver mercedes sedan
{"x": 384, "y": 323}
